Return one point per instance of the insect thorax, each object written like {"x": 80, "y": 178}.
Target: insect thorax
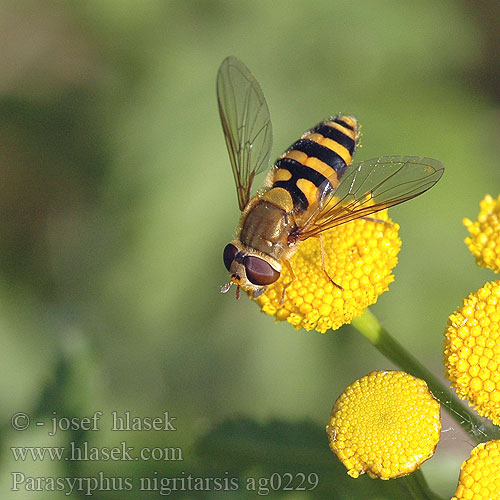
{"x": 266, "y": 227}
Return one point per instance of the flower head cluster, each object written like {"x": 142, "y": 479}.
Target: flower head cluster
{"x": 472, "y": 350}
{"x": 484, "y": 240}
{"x": 385, "y": 424}
{"x": 472, "y": 354}
{"x": 480, "y": 474}
{"x": 359, "y": 256}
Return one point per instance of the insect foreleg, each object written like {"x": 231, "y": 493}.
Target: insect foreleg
{"x": 286, "y": 285}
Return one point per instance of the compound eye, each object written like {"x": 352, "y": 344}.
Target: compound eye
{"x": 259, "y": 272}
{"x": 229, "y": 254}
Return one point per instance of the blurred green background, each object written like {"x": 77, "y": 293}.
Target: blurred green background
{"x": 116, "y": 200}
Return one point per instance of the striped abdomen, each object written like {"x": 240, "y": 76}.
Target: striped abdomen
{"x": 318, "y": 159}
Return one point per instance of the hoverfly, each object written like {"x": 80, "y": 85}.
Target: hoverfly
{"x": 311, "y": 188}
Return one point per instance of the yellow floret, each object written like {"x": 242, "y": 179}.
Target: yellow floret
{"x": 480, "y": 474}
{"x": 359, "y": 256}
{"x": 484, "y": 240}
{"x": 385, "y": 424}
{"x": 472, "y": 350}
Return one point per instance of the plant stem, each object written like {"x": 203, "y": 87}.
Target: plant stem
{"x": 371, "y": 329}
{"x": 418, "y": 487}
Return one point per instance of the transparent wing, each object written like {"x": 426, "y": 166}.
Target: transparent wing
{"x": 246, "y": 124}
{"x": 370, "y": 186}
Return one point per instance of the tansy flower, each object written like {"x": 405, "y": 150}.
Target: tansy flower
{"x": 385, "y": 424}
{"x": 480, "y": 474}
{"x": 359, "y": 256}
{"x": 484, "y": 240}
{"x": 472, "y": 350}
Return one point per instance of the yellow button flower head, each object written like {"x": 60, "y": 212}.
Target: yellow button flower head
{"x": 385, "y": 424}
{"x": 472, "y": 350}
{"x": 484, "y": 240}
{"x": 359, "y": 256}
{"x": 480, "y": 474}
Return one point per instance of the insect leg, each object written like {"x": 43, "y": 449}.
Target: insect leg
{"x": 380, "y": 221}
{"x": 290, "y": 270}
{"x": 258, "y": 292}
{"x": 323, "y": 265}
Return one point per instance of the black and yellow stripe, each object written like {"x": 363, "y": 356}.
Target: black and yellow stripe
{"x": 318, "y": 159}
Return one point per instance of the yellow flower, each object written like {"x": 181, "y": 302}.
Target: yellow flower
{"x": 472, "y": 350}
{"x": 484, "y": 240}
{"x": 359, "y": 256}
{"x": 385, "y": 424}
{"x": 480, "y": 474}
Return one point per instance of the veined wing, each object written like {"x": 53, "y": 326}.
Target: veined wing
{"x": 246, "y": 123}
{"x": 370, "y": 186}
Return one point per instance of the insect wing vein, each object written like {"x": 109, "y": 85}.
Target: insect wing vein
{"x": 246, "y": 124}
{"x": 371, "y": 186}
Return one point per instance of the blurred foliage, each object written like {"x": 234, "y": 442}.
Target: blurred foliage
{"x": 237, "y": 445}
{"x": 116, "y": 200}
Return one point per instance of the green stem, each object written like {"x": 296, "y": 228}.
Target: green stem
{"x": 371, "y": 329}
{"x": 418, "y": 487}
